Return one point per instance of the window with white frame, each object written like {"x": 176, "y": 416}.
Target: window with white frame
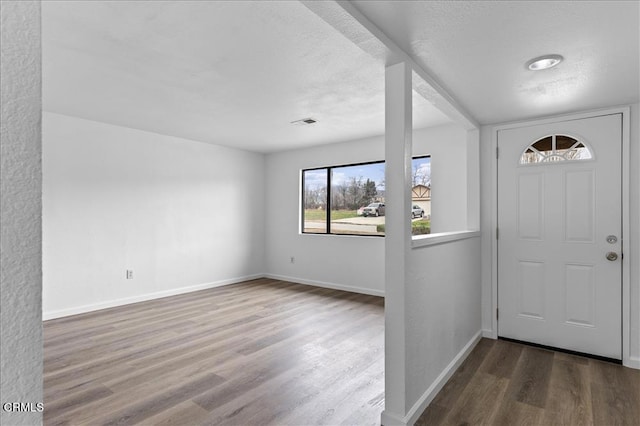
{"x": 350, "y": 199}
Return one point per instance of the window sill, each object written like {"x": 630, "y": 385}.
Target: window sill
{"x": 441, "y": 238}
{"x": 318, "y": 234}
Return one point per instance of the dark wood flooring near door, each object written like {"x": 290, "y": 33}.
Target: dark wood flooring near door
{"x": 504, "y": 383}
{"x": 257, "y": 353}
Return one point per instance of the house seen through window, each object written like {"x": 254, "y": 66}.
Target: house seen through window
{"x": 350, "y": 199}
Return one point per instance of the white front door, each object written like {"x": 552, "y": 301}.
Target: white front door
{"x": 559, "y": 235}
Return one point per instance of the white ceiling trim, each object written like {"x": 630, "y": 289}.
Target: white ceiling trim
{"x": 350, "y": 22}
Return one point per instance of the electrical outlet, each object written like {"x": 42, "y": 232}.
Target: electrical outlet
{"x": 293, "y": 259}
{"x": 129, "y": 274}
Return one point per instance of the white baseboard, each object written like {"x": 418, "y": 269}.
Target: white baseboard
{"x": 160, "y": 294}
{"x": 633, "y": 362}
{"x": 391, "y": 419}
{"x": 428, "y": 396}
{"x": 143, "y": 297}
{"x": 326, "y": 285}
{"x": 489, "y": 334}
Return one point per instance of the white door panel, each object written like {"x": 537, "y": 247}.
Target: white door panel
{"x": 555, "y": 285}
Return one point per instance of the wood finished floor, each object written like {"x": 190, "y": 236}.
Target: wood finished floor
{"x": 272, "y": 352}
{"x": 504, "y": 383}
{"x": 257, "y": 353}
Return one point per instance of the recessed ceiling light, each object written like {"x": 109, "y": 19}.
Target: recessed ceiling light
{"x": 303, "y": 122}
{"x": 544, "y": 62}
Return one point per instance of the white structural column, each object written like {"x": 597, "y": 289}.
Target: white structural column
{"x": 473, "y": 179}
{"x": 398, "y": 119}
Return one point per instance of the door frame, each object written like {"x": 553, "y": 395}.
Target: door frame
{"x": 626, "y": 162}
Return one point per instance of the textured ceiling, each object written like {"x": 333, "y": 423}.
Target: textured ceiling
{"x": 478, "y": 50}
{"x": 230, "y": 73}
{"x": 237, "y": 73}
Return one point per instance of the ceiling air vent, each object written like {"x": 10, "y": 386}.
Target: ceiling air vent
{"x": 303, "y": 122}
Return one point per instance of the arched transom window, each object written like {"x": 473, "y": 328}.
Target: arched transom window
{"x": 555, "y": 148}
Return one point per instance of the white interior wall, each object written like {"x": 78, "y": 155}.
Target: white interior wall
{"x": 348, "y": 262}
{"x": 473, "y": 180}
{"x": 183, "y": 215}
{"x": 448, "y": 147}
{"x": 20, "y": 212}
{"x": 443, "y": 312}
{"x": 337, "y": 261}
{"x": 488, "y": 211}
{"x": 443, "y": 295}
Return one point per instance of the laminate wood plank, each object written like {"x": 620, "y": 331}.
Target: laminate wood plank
{"x": 620, "y": 387}
{"x": 99, "y": 353}
{"x": 158, "y": 324}
{"x": 185, "y": 413}
{"x": 269, "y": 297}
{"x": 117, "y": 316}
{"x": 93, "y": 353}
{"x": 240, "y": 384}
{"x": 310, "y": 382}
{"x": 120, "y": 314}
{"x": 73, "y": 401}
{"x": 310, "y": 355}
{"x": 309, "y": 328}
{"x": 108, "y": 347}
{"x": 235, "y": 336}
{"x": 362, "y": 380}
{"x": 167, "y": 354}
{"x": 576, "y": 359}
{"x": 297, "y": 346}
{"x": 65, "y": 338}
{"x": 144, "y": 310}
{"x": 302, "y": 293}
{"x": 613, "y": 406}
{"x": 530, "y": 381}
{"x": 458, "y": 382}
{"x": 477, "y": 403}
{"x": 569, "y": 399}
{"x": 95, "y": 365}
{"x": 545, "y": 388}
{"x": 158, "y": 403}
{"x": 230, "y": 337}
{"x": 501, "y": 360}
{"x": 175, "y": 369}
{"x": 72, "y": 384}
{"x": 293, "y": 353}
{"x": 289, "y": 310}
{"x": 433, "y": 415}
{"x": 517, "y": 413}
{"x": 153, "y": 357}
{"x": 363, "y": 388}
{"x": 365, "y": 323}
{"x": 104, "y": 410}
{"x": 125, "y": 337}
{"x": 306, "y": 391}
{"x": 139, "y": 389}
{"x": 266, "y": 410}
{"x": 114, "y": 336}
{"x": 613, "y": 375}
{"x": 261, "y": 399}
